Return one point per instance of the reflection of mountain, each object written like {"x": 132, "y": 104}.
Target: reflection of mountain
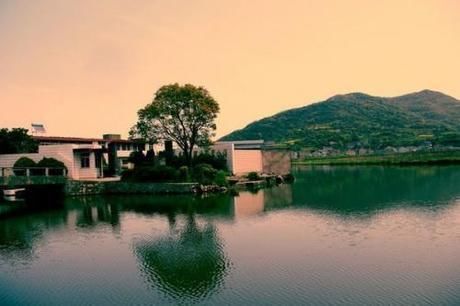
{"x": 352, "y": 189}
{"x": 189, "y": 264}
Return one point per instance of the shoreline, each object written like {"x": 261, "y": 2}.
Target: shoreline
{"x": 414, "y": 158}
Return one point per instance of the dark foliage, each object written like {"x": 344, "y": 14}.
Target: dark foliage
{"x": 16, "y": 141}
{"x": 204, "y": 174}
{"x": 183, "y": 114}
{"x": 52, "y": 163}
{"x": 253, "y": 176}
{"x": 147, "y": 173}
{"x": 22, "y": 163}
{"x": 216, "y": 160}
{"x": 136, "y": 158}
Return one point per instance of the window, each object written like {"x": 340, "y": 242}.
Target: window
{"x": 84, "y": 160}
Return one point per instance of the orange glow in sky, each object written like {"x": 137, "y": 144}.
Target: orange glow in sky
{"x": 85, "y": 67}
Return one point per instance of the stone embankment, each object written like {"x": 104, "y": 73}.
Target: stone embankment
{"x": 75, "y": 188}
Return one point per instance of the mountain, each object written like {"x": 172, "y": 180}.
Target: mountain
{"x": 361, "y": 120}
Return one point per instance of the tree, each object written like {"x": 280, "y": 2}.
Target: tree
{"x": 16, "y": 140}
{"x": 183, "y": 114}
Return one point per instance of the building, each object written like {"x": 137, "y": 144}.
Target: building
{"x": 116, "y": 150}
{"x": 253, "y": 156}
{"x": 83, "y": 161}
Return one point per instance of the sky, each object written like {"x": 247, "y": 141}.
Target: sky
{"x": 84, "y": 67}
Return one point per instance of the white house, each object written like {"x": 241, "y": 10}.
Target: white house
{"x": 83, "y": 161}
{"x": 246, "y": 156}
{"x": 117, "y": 150}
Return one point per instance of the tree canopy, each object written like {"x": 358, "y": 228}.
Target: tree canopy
{"x": 16, "y": 140}
{"x": 184, "y": 114}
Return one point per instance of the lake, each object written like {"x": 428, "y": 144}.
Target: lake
{"x": 338, "y": 235}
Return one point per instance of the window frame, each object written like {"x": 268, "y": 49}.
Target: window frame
{"x": 85, "y": 160}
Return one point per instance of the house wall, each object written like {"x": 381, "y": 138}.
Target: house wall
{"x": 85, "y": 173}
{"x": 63, "y": 153}
{"x": 278, "y": 162}
{"x": 245, "y": 161}
{"x": 228, "y": 150}
{"x": 8, "y": 160}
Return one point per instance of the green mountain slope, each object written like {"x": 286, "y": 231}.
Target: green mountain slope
{"x": 360, "y": 120}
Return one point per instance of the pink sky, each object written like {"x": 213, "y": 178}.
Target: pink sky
{"x": 85, "y": 67}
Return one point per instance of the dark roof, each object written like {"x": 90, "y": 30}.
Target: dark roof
{"x": 82, "y": 140}
{"x": 66, "y": 139}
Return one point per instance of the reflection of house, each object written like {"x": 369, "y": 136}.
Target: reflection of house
{"x": 252, "y": 155}
{"x": 248, "y": 204}
{"x": 83, "y": 161}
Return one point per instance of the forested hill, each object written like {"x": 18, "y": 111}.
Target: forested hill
{"x": 361, "y": 120}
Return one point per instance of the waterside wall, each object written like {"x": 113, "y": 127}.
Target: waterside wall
{"x": 75, "y": 188}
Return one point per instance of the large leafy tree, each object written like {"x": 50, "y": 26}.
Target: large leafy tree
{"x": 16, "y": 140}
{"x": 184, "y": 114}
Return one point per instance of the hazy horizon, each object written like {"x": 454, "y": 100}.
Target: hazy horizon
{"x": 84, "y": 68}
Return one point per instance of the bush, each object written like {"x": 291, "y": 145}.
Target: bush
{"x": 151, "y": 174}
{"x": 150, "y": 156}
{"x": 217, "y": 160}
{"x": 51, "y": 163}
{"x": 23, "y": 162}
{"x": 136, "y": 158}
{"x": 253, "y": 176}
{"x": 127, "y": 175}
{"x": 184, "y": 174}
{"x": 221, "y": 178}
{"x": 204, "y": 174}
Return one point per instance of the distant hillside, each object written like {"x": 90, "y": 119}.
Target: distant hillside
{"x": 360, "y": 120}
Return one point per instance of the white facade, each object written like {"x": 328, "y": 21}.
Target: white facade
{"x": 242, "y": 156}
{"x": 81, "y": 160}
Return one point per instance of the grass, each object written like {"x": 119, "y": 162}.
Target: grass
{"x": 413, "y": 158}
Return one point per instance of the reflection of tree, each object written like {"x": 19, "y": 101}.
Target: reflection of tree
{"x": 21, "y": 229}
{"x": 215, "y": 205}
{"x": 187, "y": 264}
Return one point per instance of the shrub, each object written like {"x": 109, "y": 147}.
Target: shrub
{"x": 150, "y": 156}
{"x": 23, "y": 162}
{"x": 136, "y": 158}
{"x": 151, "y": 174}
{"x": 204, "y": 174}
{"x": 221, "y": 178}
{"x": 184, "y": 173}
{"x": 216, "y": 160}
{"x": 253, "y": 176}
{"x": 51, "y": 163}
{"x": 127, "y": 175}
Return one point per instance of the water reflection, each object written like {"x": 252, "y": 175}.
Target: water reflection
{"x": 186, "y": 263}
{"x": 21, "y": 229}
{"x": 348, "y": 190}
{"x": 184, "y": 249}
{"x": 96, "y": 211}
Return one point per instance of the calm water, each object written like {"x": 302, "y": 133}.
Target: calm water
{"x": 338, "y": 235}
